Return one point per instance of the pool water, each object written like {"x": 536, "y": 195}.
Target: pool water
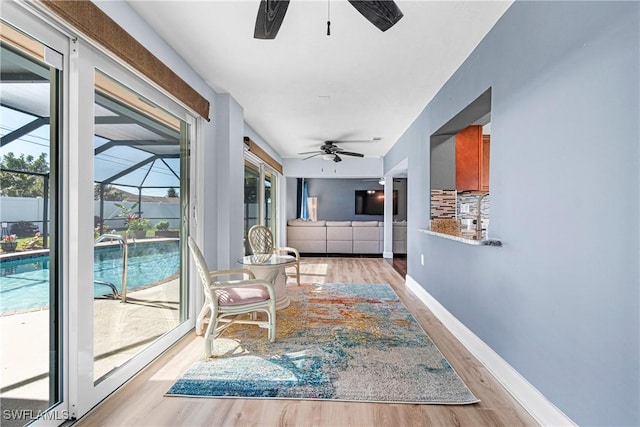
{"x": 24, "y": 281}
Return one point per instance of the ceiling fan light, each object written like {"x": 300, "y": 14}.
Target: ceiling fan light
{"x": 327, "y": 157}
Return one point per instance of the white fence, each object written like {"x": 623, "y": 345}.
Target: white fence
{"x": 14, "y": 209}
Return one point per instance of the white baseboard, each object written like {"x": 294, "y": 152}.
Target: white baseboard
{"x": 387, "y": 254}
{"x": 545, "y": 412}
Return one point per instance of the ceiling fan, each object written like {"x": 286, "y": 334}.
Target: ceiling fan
{"x": 382, "y": 13}
{"x": 330, "y": 151}
{"x": 381, "y": 180}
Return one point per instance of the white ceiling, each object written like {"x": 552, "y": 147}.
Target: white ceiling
{"x": 305, "y": 87}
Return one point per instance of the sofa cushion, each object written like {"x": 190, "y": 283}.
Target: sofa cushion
{"x": 339, "y": 233}
{"x": 339, "y": 246}
{"x": 399, "y": 233}
{"x": 306, "y": 233}
{"x": 366, "y": 233}
{"x": 366, "y": 247}
{"x": 364, "y": 223}
{"x": 309, "y": 246}
{"x": 338, "y": 223}
{"x": 302, "y": 223}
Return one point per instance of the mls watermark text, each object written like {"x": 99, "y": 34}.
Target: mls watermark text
{"x": 30, "y": 414}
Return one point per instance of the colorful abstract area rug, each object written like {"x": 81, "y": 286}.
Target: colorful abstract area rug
{"x": 349, "y": 342}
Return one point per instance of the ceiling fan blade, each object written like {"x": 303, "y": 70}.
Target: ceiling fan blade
{"x": 349, "y": 153}
{"x": 270, "y": 16}
{"x": 340, "y": 141}
{"x": 313, "y": 155}
{"x": 337, "y": 159}
{"x": 312, "y": 152}
{"x": 383, "y": 13}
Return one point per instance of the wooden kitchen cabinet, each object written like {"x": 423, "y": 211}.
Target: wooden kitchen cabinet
{"x": 484, "y": 167}
{"x": 472, "y": 159}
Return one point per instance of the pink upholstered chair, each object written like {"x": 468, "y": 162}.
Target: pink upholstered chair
{"x": 232, "y": 301}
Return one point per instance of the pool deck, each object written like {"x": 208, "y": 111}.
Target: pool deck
{"x": 121, "y": 330}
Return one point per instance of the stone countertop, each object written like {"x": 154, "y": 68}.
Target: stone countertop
{"x": 473, "y": 242}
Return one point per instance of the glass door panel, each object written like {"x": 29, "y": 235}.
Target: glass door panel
{"x": 30, "y": 288}
{"x": 251, "y": 200}
{"x": 270, "y": 201}
{"x": 139, "y": 193}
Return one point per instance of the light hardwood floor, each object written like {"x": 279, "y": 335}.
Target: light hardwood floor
{"x": 141, "y": 402}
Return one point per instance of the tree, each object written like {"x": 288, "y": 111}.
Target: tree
{"x": 20, "y": 184}
{"x": 24, "y": 229}
{"x": 171, "y": 192}
{"x": 110, "y": 193}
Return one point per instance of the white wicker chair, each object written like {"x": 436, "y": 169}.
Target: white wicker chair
{"x": 227, "y": 301}
{"x": 261, "y": 242}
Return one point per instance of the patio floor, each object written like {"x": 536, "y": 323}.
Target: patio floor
{"x": 121, "y": 330}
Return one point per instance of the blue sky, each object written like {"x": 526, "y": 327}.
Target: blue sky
{"x": 107, "y": 164}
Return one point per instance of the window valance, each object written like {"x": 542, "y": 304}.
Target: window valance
{"x": 97, "y": 25}
{"x": 262, "y": 155}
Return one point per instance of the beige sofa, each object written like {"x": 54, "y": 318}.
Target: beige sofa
{"x": 367, "y": 236}
{"x": 307, "y": 236}
{"x": 400, "y": 237}
{"x": 339, "y": 237}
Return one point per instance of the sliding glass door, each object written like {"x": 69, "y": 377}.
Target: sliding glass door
{"x": 31, "y": 297}
{"x": 252, "y": 191}
{"x": 130, "y": 170}
{"x": 95, "y": 211}
{"x": 139, "y": 151}
{"x": 260, "y": 196}
{"x": 270, "y": 182}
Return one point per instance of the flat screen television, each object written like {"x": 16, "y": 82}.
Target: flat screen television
{"x": 371, "y": 202}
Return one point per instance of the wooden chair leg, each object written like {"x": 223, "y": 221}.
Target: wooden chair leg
{"x": 201, "y": 316}
{"x": 208, "y": 337}
{"x": 271, "y": 318}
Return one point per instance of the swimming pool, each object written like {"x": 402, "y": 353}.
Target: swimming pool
{"x": 24, "y": 281}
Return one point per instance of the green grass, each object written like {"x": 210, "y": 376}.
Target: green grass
{"x": 24, "y": 242}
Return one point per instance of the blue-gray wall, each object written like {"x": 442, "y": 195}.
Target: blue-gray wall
{"x": 292, "y": 185}
{"x": 443, "y": 165}
{"x": 560, "y": 300}
{"x": 336, "y": 198}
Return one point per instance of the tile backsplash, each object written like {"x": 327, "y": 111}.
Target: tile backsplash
{"x": 443, "y": 204}
{"x": 472, "y": 201}
{"x": 447, "y": 204}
